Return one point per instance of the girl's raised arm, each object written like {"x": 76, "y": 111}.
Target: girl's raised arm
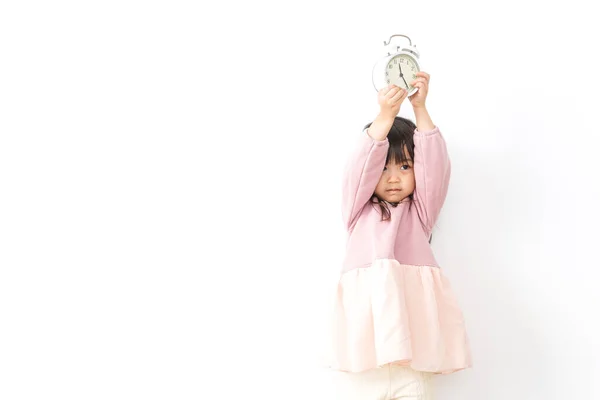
{"x": 432, "y": 175}
{"x": 365, "y": 166}
{"x": 361, "y": 175}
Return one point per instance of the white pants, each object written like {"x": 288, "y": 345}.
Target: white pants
{"x": 390, "y": 382}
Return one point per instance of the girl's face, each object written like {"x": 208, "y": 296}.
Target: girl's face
{"x": 397, "y": 181}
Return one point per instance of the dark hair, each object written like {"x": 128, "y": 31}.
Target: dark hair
{"x": 400, "y": 136}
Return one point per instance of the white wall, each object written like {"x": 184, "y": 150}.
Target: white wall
{"x": 170, "y": 178}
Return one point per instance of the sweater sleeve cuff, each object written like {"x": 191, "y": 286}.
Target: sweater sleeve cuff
{"x": 432, "y": 132}
{"x": 368, "y": 138}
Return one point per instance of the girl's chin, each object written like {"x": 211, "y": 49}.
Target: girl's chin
{"x": 395, "y": 197}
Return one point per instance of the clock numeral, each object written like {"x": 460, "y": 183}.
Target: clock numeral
{"x": 395, "y": 61}
{"x": 388, "y": 81}
{"x": 387, "y": 73}
{"x": 391, "y": 66}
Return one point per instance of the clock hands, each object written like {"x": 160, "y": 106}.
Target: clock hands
{"x": 402, "y": 76}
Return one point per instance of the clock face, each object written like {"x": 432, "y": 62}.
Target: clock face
{"x": 401, "y": 70}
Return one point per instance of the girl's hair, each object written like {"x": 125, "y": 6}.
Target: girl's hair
{"x": 399, "y": 137}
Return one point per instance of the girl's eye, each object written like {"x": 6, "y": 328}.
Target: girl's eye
{"x": 405, "y": 167}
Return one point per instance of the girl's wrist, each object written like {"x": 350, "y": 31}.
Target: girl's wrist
{"x": 380, "y": 127}
{"x": 424, "y": 122}
{"x": 387, "y": 117}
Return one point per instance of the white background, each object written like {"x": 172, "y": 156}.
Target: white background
{"x": 170, "y": 172}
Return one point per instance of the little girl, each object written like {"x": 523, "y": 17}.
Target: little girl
{"x": 396, "y": 320}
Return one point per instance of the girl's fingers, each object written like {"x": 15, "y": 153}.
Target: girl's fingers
{"x": 393, "y": 92}
{"x": 423, "y": 75}
{"x": 404, "y": 96}
{"x": 423, "y": 80}
{"x": 421, "y": 86}
{"x": 386, "y": 89}
{"x": 398, "y": 96}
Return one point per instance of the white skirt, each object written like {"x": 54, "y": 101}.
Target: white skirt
{"x": 390, "y": 382}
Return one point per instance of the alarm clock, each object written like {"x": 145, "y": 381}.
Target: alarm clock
{"x": 399, "y": 67}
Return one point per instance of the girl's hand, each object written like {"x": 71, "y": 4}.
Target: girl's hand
{"x": 389, "y": 99}
{"x": 422, "y": 82}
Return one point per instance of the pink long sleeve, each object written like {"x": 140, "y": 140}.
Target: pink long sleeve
{"x": 432, "y": 175}
{"x": 361, "y": 175}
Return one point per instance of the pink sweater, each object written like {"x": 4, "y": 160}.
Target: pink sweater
{"x": 393, "y": 303}
{"x": 406, "y": 236}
